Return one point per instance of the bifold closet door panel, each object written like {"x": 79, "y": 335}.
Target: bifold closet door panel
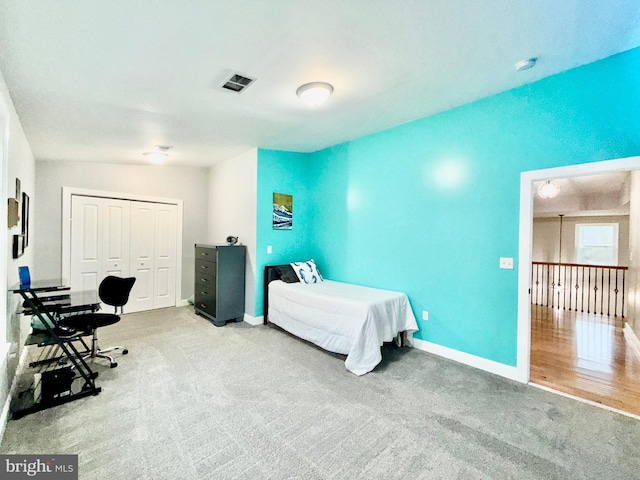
{"x": 165, "y": 256}
{"x": 143, "y": 224}
{"x": 100, "y": 231}
{"x": 86, "y": 233}
{"x": 153, "y": 255}
{"x": 116, "y": 233}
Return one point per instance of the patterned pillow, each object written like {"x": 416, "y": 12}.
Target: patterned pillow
{"x": 307, "y": 272}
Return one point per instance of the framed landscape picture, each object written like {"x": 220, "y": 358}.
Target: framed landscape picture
{"x": 282, "y": 211}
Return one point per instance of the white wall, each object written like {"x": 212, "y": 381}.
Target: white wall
{"x": 233, "y": 186}
{"x": 546, "y": 233}
{"x": 189, "y": 184}
{"x": 17, "y": 161}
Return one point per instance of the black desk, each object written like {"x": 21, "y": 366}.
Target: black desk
{"x": 66, "y": 302}
{"x": 76, "y": 377}
{"x": 61, "y": 305}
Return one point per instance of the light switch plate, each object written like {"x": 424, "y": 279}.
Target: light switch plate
{"x": 506, "y": 263}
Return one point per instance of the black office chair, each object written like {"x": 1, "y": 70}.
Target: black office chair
{"x": 113, "y": 291}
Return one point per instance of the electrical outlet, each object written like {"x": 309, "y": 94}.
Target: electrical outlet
{"x": 506, "y": 263}
{"x": 425, "y": 315}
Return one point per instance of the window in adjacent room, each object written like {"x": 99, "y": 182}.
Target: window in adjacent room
{"x": 597, "y": 243}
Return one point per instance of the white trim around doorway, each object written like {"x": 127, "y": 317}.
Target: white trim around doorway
{"x": 67, "y": 192}
{"x": 526, "y": 237}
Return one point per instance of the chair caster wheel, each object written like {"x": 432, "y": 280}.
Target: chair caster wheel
{"x": 114, "y": 365}
{"x": 125, "y": 351}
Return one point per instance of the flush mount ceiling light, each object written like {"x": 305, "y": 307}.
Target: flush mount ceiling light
{"x": 548, "y": 189}
{"x": 158, "y": 155}
{"x": 314, "y": 94}
{"x": 155, "y": 157}
{"x": 526, "y": 64}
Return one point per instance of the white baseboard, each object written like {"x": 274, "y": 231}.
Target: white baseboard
{"x": 4, "y": 416}
{"x": 182, "y": 303}
{"x": 468, "y": 359}
{"x": 251, "y": 320}
{"x": 632, "y": 339}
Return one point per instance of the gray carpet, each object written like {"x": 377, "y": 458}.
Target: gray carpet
{"x": 192, "y": 401}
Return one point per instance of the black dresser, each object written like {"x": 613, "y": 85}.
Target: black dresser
{"x": 219, "y": 282}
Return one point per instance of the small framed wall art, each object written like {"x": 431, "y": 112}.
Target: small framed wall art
{"x": 25, "y": 218}
{"x": 282, "y": 211}
{"x": 18, "y": 245}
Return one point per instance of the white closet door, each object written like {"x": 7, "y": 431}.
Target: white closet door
{"x": 99, "y": 240}
{"x": 116, "y": 224}
{"x": 143, "y": 216}
{"x": 165, "y": 256}
{"x": 126, "y": 238}
{"x": 86, "y": 233}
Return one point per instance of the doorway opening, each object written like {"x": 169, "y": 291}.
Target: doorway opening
{"x": 565, "y": 337}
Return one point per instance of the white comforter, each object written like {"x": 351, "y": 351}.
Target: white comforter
{"x": 342, "y": 318}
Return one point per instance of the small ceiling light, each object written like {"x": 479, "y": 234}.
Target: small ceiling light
{"x": 159, "y": 153}
{"x": 526, "y": 64}
{"x": 155, "y": 157}
{"x": 314, "y": 94}
{"x": 548, "y": 189}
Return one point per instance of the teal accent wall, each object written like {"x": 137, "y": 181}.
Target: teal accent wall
{"x": 429, "y": 207}
{"x": 282, "y": 172}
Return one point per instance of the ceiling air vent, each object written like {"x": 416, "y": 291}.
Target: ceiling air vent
{"x": 237, "y": 83}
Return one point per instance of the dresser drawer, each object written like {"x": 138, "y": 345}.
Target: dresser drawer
{"x": 205, "y": 299}
{"x": 205, "y": 268}
{"x": 207, "y": 254}
{"x": 206, "y": 281}
{"x": 207, "y": 306}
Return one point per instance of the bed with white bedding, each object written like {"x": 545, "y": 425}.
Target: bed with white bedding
{"x": 339, "y": 317}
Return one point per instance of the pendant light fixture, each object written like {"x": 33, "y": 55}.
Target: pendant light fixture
{"x": 559, "y": 288}
{"x": 560, "y": 243}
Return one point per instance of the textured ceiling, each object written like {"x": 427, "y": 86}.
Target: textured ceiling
{"x": 105, "y": 81}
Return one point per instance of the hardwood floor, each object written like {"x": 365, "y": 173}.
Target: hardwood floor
{"x": 584, "y": 355}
